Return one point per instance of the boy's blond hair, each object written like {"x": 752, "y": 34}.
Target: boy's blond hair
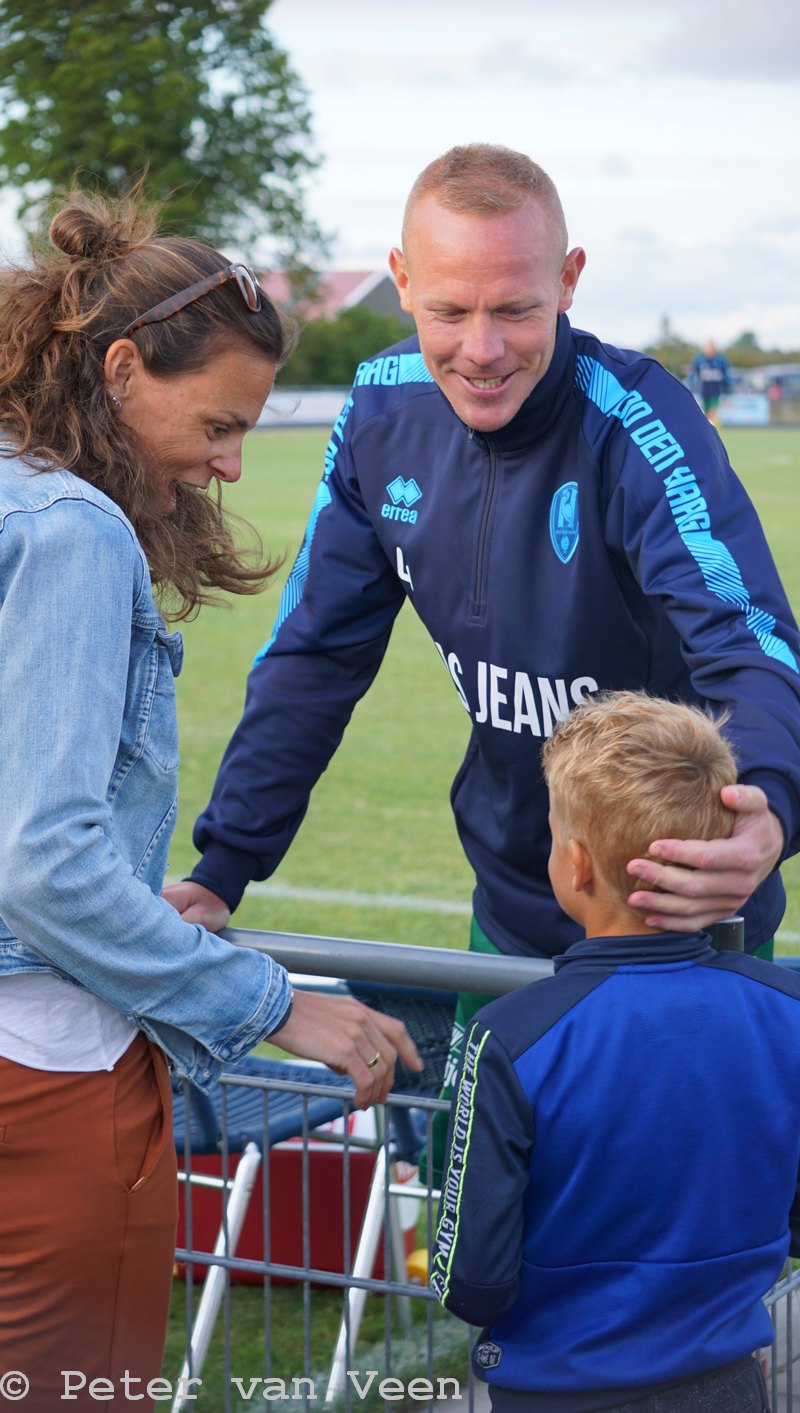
{"x": 626, "y": 768}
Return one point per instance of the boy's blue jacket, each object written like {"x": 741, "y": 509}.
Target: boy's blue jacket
{"x": 599, "y": 540}
{"x": 623, "y": 1163}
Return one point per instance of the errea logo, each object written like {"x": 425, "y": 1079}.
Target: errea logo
{"x": 404, "y": 494}
{"x": 487, "y": 1355}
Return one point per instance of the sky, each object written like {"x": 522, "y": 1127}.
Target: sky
{"x": 670, "y": 127}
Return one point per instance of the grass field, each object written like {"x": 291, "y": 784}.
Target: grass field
{"x": 379, "y": 825}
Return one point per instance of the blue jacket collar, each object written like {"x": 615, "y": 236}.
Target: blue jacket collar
{"x": 654, "y": 947}
{"x": 543, "y": 408}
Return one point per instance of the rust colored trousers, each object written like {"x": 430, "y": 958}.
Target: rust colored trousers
{"x": 88, "y": 1209}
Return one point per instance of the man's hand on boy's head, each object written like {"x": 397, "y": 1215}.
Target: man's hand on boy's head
{"x": 699, "y": 881}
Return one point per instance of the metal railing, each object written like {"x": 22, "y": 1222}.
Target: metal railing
{"x": 365, "y": 1215}
{"x": 394, "y": 963}
{"x": 337, "y": 1239}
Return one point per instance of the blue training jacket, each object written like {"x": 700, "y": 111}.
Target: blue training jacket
{"x": 599, "y": 540}
{"x": 622, "y": 1177}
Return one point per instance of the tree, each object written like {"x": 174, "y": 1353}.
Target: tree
{"x": 745, "y": 351}
{"x": 330, "y": 350}
{"x": 197, "y": 95}
{"x": 671, "y": 349}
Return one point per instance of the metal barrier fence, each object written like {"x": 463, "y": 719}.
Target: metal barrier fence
{"x": 338, "y": 1358}
{"x": 303, "y": 1235}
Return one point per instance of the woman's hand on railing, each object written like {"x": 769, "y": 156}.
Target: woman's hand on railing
{"x": 198, "y": 904}
{"x": 351, "y": 1039}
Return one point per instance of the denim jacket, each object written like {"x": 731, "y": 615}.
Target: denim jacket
{"x": 88, "y": 782}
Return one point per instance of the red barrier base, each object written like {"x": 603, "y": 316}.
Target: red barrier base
{"x": 326, "y": 1226}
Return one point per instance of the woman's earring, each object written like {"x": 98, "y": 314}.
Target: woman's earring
{"x": 115, "y": 402}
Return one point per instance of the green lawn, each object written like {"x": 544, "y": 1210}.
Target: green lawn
{"x": 293, "y": 1337}
{"x": 380, "y": 821}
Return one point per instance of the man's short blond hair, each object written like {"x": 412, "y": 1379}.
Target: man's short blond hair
{"x": 626, "y": 768}
{"x": 486, "y": 179}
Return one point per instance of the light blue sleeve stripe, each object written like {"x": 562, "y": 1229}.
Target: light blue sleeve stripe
{"x": 721, "y": 573}
{"x": 296, "y": 583}
{"x": 412, "y": 369}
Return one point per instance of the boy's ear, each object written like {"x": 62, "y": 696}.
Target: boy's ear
{"x": 581, "y": 861}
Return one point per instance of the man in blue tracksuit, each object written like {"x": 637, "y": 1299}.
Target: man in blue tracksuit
{"x": 624, "y": 1150}
{"x": 563, "y": 518}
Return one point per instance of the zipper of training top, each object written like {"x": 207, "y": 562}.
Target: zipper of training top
{"x": 481, "y": 560}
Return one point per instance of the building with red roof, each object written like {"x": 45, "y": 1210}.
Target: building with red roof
{"x": 340, "y": 290}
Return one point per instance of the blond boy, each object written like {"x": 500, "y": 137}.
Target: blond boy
{"x": 624, "y": 1145}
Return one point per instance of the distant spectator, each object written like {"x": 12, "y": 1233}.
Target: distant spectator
{"x": 710, "y": 379}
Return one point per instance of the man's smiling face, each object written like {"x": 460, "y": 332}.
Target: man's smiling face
{"x": 485, "y": 292}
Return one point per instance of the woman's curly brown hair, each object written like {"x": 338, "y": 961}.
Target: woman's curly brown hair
{"x": 105, "y": 264}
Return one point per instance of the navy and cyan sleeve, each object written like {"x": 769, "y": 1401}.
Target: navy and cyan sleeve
{"x": 679, "y": 516}
{"x": 478, "y": 1247}
{"x": 333, "y": 626}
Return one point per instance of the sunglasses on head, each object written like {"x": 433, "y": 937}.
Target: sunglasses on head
{"x": 242, "y": 274}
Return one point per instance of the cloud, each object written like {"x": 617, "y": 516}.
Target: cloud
{"x": 705, "y": 287}
{"x": 731, "y": 42}
{"x": 514, "y": 60}
{"x": 670, "y": 129}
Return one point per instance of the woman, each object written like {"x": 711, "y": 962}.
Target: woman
{"x": 131, "y": 366}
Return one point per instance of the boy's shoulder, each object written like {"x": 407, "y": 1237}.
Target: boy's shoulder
{"x": 777, "y": 977}
{"x": 528, "y": 1013}
{"x": 522, "y": 1017}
